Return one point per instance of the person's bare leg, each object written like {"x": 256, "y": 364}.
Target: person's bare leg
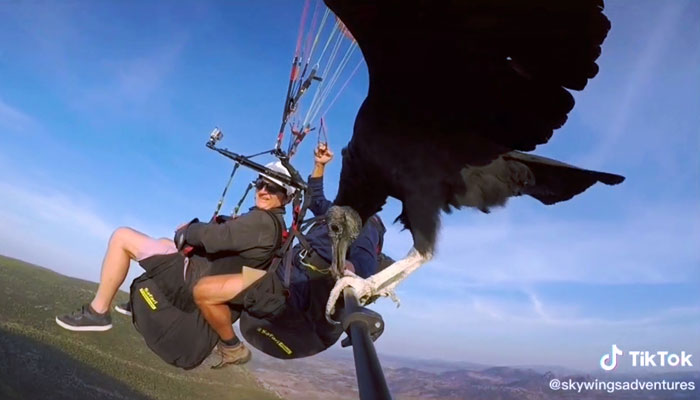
{"x": 125, "y": 245}
{"x": 211, "y": 294}
{"x": 167, "y": 242}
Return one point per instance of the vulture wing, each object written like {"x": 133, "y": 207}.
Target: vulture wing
{"x": 465, "y": 82}
{"x": 516, "y": 173}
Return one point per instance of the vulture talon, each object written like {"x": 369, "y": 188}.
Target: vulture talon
{"x": 381, "y": 284}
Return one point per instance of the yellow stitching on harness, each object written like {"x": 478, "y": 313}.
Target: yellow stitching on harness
{"x": 148, "y": 297}
{"x": 302, "y": 255}
{"x": 272, "y": 337}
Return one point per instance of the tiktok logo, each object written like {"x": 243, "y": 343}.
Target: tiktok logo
{"x": 609, "y": 361}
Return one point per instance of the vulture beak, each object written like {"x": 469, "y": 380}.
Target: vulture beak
{"x": 344, "y": 226}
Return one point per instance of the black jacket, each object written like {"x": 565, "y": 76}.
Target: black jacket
{"x": 223, "y": 248}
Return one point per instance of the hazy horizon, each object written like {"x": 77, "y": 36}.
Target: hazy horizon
{"x": 105, "y": 108}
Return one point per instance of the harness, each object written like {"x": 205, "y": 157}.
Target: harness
{"x": 283, "y": 254}
{"x": 281, "y": 234}
{"x": 317, "y": 266}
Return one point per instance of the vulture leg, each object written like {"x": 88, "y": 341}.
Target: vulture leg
{"x": 422, "y": 217}
{"x": 383, "y": 283}
{"x": 419, "y": 215}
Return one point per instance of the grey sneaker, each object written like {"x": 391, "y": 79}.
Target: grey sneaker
{"x": 231, "y": 355}
{"x": 124, "y": 308}
{"x": 85, "y": 319}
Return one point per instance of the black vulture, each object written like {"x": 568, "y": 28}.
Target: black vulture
{"x": 458, "y": 90}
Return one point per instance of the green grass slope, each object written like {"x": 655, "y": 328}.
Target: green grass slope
{"x": 38, "y": 359}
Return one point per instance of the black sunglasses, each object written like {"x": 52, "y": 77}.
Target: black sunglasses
{"x": 270, "y": 187}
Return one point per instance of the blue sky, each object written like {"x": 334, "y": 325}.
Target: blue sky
{"x": 105, "y": 108}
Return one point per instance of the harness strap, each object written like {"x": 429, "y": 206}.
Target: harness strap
{"x": 279, "y": 229}
{"x": 311, "y": 221}
{"x": 284, "y": 254}
{"x": 315, "y": 264}
{"x": 302, "y": 240}
{"x": 294, "y": 233}
{"x": 279, "y": 242}
{"x": 240, "y": 202}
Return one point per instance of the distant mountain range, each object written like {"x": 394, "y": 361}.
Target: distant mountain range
{"x": 332, "y": 376}
{"x": 39, "y": 360}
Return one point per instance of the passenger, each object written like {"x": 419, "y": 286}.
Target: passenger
{"x": 250, "y": 239}
{"x": 287, "y": 319}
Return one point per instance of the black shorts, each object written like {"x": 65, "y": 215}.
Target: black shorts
{"x": 265, "y": 298}
{"x": 168, "y": 272}
{"x": 164, "y": 313}
{"x": 267, "y": 320}
{"x": 176, "y": 276}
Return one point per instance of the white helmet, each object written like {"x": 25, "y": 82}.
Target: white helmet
{"x": 278, "y": 167}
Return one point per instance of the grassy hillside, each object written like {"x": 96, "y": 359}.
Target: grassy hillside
{"x": 38, "y": 359}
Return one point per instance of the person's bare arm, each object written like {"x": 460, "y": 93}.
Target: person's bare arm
{"x": 322, "y": 156}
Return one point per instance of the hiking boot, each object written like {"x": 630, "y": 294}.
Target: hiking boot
{"x": 85, "y": 319}
{"x": 231, "y": 355}
{"x": 124, "y": 308}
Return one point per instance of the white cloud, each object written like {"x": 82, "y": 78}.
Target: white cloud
{"x": 497, "y": 311}
{"x": 656, "y": 245}
{"x": 50, "y": 206}
{"x": 60, "y": 228}
{"x": 616, "y": 109}
{"x": 134, "y": 82}
{"x": 476, "y": 300}
{"x": 66, "y": 52}
{"x": 15, "y": 121}
{"x": 56, "y": 230}
{"x": 495, "y": 330}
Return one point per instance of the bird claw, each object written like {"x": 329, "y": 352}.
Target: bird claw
{"x": 366, "y": 291}
{"x": 391, "y": 293}
{"x": 381, "y": 284}
{"x": 348, "y": 280}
